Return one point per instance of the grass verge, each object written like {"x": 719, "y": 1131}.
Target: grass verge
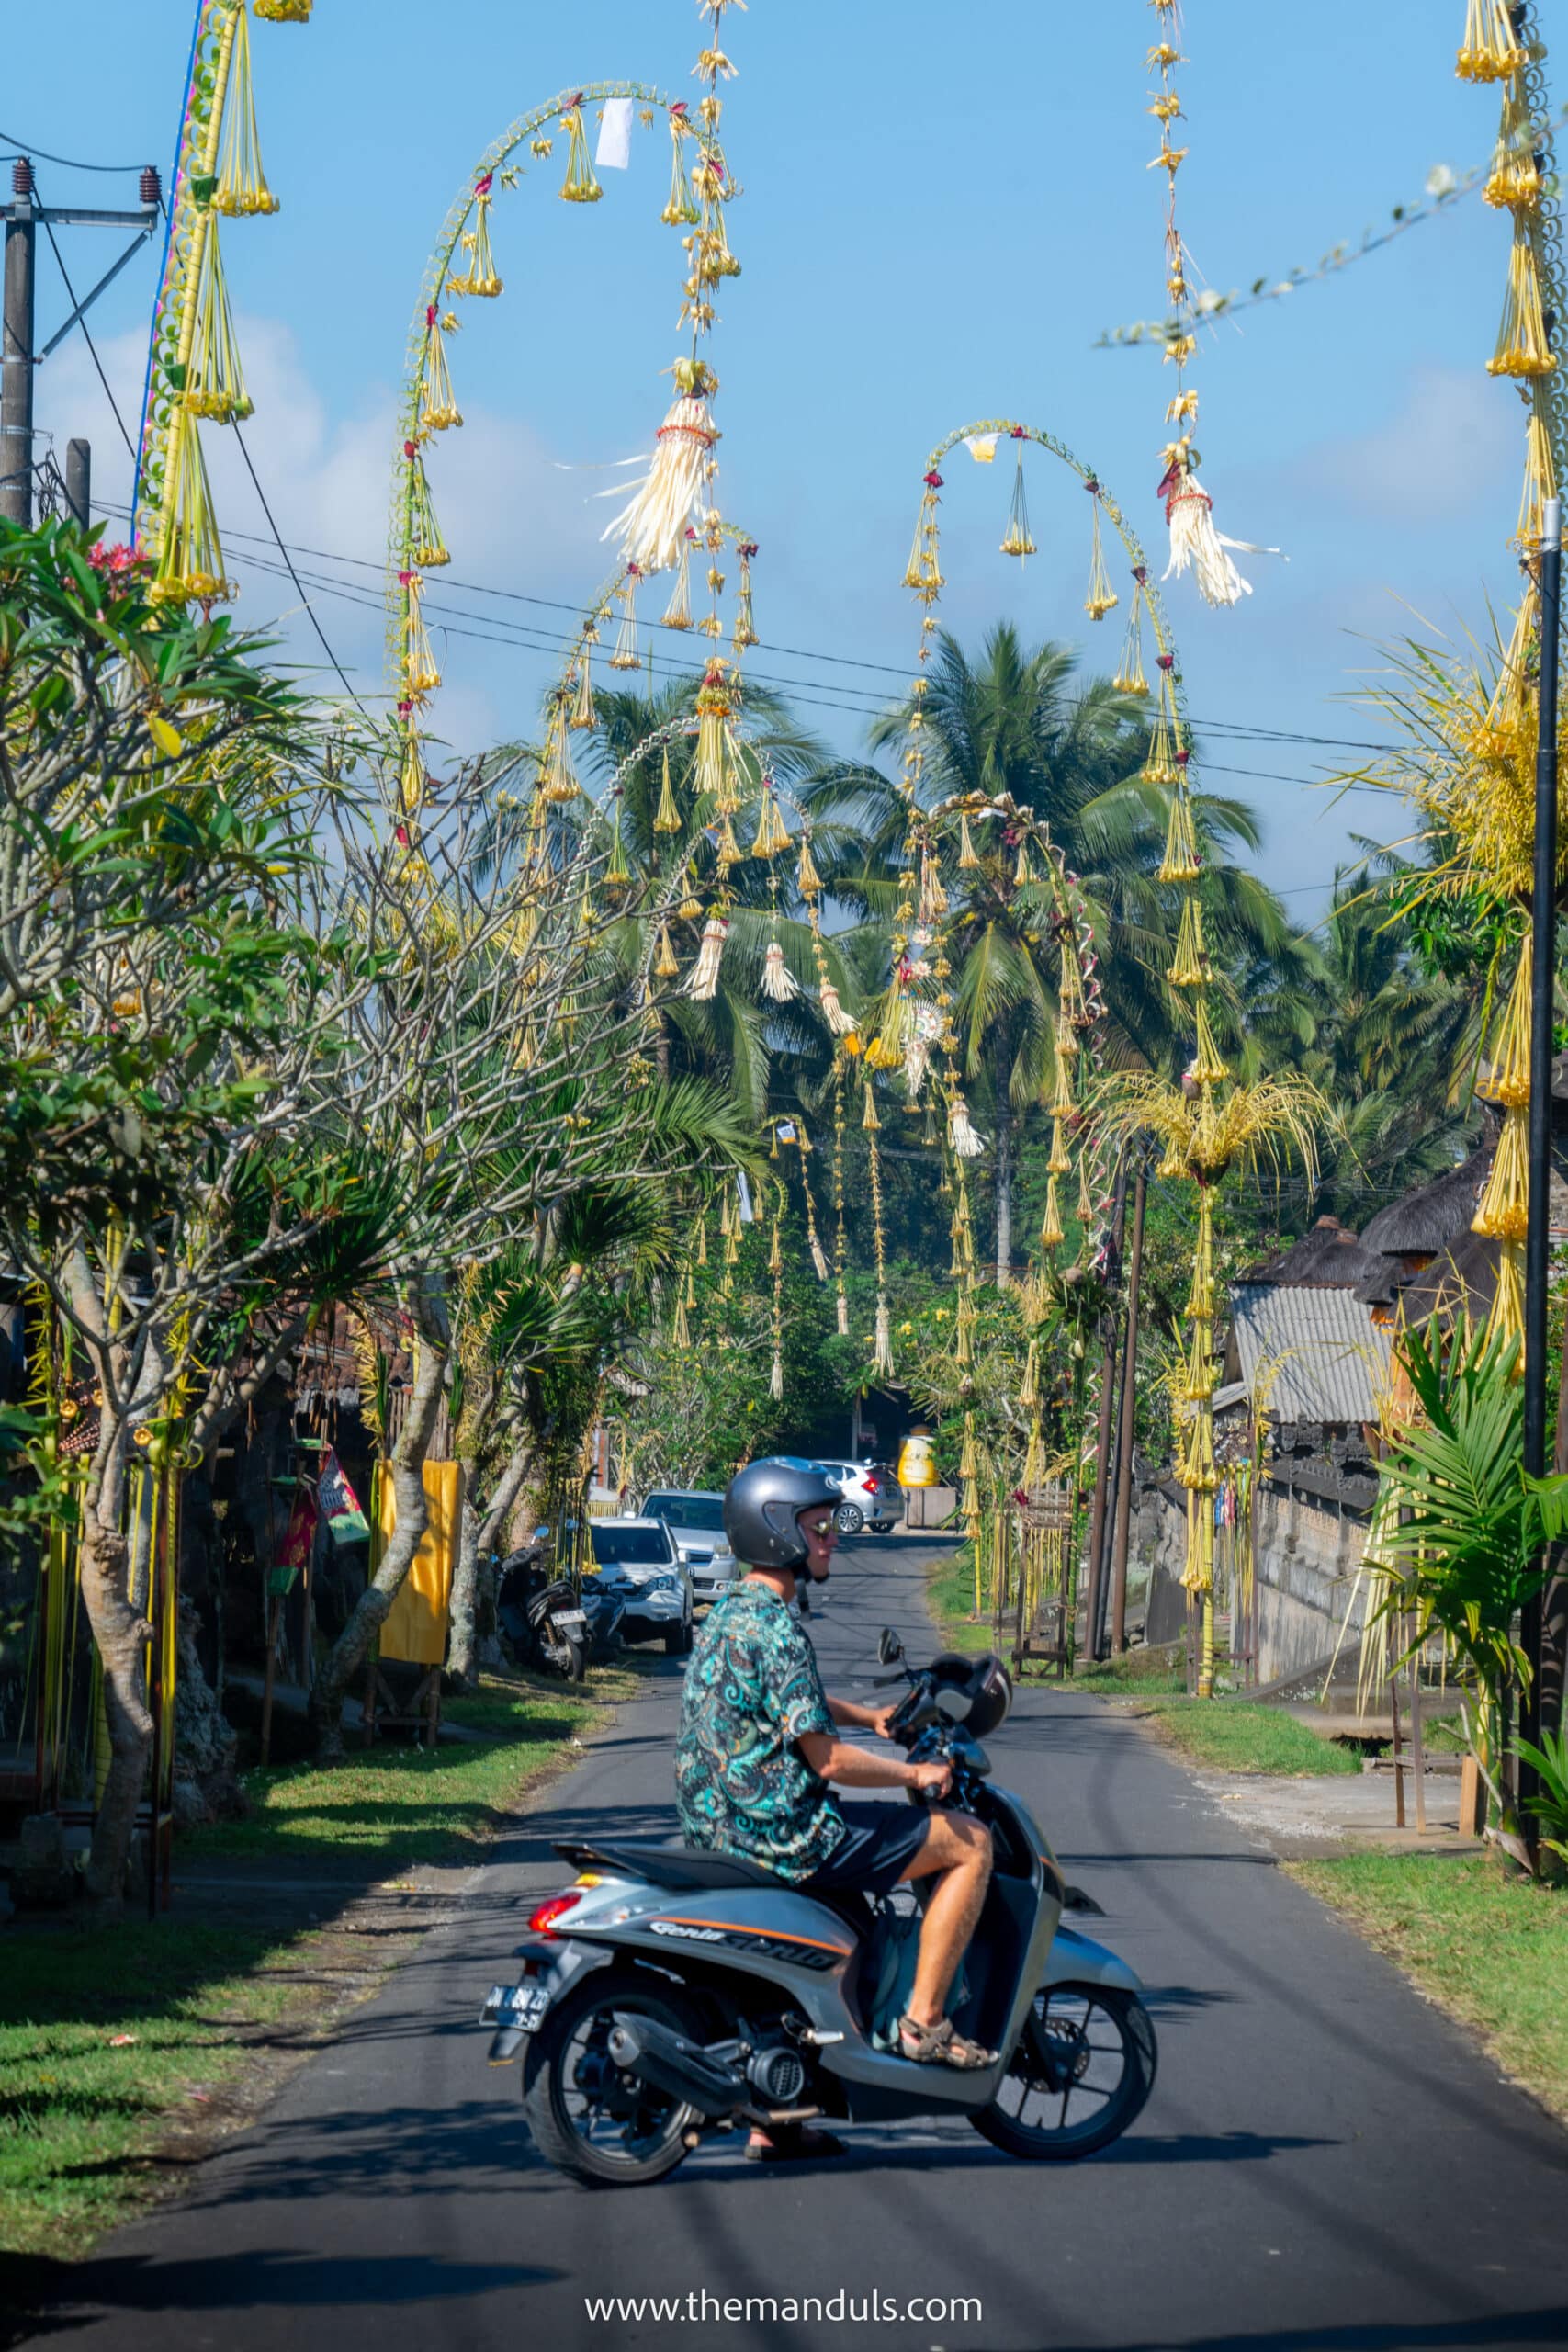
{"x": 386, "y": 1807}
{"x": 119, "y": 2043}
{"x": 103, "y": 2034}
{"x": 1490, "y": 1949}
{"x": 1230, "y": 1736}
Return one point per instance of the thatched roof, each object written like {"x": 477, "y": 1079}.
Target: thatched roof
{"x": 1329, "y": 1257}
{"x": 1427, "y": 1221}
{"x": 1460, "y": 1280}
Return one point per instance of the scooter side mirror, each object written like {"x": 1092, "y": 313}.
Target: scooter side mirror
{"x": 889, "y": 1648}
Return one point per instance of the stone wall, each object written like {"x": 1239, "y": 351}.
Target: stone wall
{"x": 1309, "y": 1550}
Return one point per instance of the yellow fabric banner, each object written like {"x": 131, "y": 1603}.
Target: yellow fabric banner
{"x": 416, "y": 1626}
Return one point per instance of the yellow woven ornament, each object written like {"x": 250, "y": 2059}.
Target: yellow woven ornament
{"x": 967, "y": 860}
{"x": 421, "y": 675}
{"x": 283, "y": 12}
{"x": 745, "y": 628}
{"x": 478, "y": 275}
{"x": 678, "y": 611}
{"x": 1181, "y": 862}
{"x": 665, "y": 966}
{"x": 584, "y": 718}
{"x": 190, "y": 559}
{"x": 1130, "y": 678}
{"x": 1191, "y": 967}
{"x": 1489, "y": 51}
{"x": 869, "y": 1119}
{"x": 1101, "y": 597}
{"x": 712, "y": 719}
{"x": 581, "y": 186}
{"x": 1051, "y": 1232}
{"x": 1514, "y": 181}
{"x": 1523, "y": 349}
{"x": 559, "y": 777}
{"x": 625, "y": 656}
{"x": 1018, "y": 540}
{"x": 1505, "y": 1324}
{"x": 1504, "y": 1213}
{"x": 809, "y": 880}
{"x": 1540, "y": 483}
{"x": 667, "y": 817}
{"x": 1508, "y": 1079}
{"x": 437, "y": 403}
{"x": 680, "y": 211}
{"x": 241, "y": 188}
{"x": 427, "y": 549}
{"x": 211, "y": 380}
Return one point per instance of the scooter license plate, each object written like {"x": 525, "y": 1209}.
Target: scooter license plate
{"x": 569, "y": 1617}
{"x": 522, "y": 2006}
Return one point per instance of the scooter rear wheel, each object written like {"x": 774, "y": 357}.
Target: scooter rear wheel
{"x": 589, "y": 2119}
{"x": 1084, "y": 2067}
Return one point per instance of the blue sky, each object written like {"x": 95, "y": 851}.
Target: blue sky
{"x": 939, "y": 215}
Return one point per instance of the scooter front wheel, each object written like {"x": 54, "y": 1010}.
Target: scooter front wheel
{"x": 604, "y": 2128}
{"x": 1084, "y": 2067}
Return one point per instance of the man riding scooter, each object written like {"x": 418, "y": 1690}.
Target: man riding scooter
{"x": 758, "y": 1752}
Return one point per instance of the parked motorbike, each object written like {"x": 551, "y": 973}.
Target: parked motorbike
{"x": 540, "y": 1615}
{"x": 672, "y": 1993}
{"x": 605, "y": 1605}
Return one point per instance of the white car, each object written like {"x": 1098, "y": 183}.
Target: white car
{"x": 694, "y": 1517}
{"x": 871, "y": 1494}
{"x": 638, "y": 1559}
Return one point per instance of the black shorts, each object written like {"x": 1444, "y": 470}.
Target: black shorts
{"x": 879, "y": 1843}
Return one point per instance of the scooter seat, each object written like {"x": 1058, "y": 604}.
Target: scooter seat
{"x": 676, "y": 1865}
{"x": 671, "y": 1865}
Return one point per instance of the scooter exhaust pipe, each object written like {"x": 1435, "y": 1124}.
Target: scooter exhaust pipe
{"x": 650, "y": 2051}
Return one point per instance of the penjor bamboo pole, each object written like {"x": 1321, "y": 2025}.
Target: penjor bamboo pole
{"x": 1543, "y": 929}
{"x": 1102, "y": 1447}
{"x": 1129, "y": 1401}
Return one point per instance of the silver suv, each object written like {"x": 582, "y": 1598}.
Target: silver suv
{"x": 636, "y": 1560}
{"x": 694, "y": 1517}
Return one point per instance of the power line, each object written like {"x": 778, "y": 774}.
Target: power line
{"x": 87, "y": 331}
{"x": 31, "y": 154}
{"x": 283, "y": 551}
{"x": 1236, "y": 728}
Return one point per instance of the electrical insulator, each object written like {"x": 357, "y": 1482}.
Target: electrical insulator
{"x": 152, "y": 185}
{"x": 21, "y": 176}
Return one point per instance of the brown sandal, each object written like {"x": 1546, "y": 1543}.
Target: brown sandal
{"x": 938, "y": 2045}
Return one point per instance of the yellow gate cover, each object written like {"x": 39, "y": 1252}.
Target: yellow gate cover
{"x": 415, "y": 1630}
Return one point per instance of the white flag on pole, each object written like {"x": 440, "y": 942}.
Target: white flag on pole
{"x": 615, "y": 136}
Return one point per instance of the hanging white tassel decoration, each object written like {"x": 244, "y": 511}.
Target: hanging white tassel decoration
{"x": 843, "y": 1316}
{"x": 924, "y": 1031}
{"x": 960, "y": 1135}
{"x": 841, "y": 1023}
{"x": 819, "y": 1259}
{"x": 778, "y": 981}
{"x": 703, "y": 985}
{"x": 1195, "y": 544}
{"x": 652, "y": 528}
{"x": 775, "y": 1385}
{"x": 884, "y": 1340}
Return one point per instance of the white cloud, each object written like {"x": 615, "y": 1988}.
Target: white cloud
{"x": 510, "y": 517}
{"x": 1455, "y": 438}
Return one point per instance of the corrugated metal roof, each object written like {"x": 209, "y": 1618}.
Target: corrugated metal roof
{"x": 1323, "y": 1357}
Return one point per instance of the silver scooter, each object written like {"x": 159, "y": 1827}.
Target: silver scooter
{"x": 671, "y": 1994}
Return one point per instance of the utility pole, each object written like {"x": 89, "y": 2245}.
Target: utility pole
{"x": 19, "y": 357}
{"x": 1543, "y": 975}
{"x": 16, "y": 351}
{"x": 1092, "y": 1609}
{"x": 1129, "y": 1404}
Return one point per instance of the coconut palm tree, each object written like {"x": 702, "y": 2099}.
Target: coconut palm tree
{"x": 1017, "y": 722}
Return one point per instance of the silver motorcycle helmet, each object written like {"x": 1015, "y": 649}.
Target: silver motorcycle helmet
{"x": 762, "y": 1505}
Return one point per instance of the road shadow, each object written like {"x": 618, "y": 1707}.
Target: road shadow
{"x": 40, "y": 2296}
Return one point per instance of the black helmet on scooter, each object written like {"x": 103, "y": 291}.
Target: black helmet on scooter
{"x": 760, "y": 1507}
{"x": 982, "y": 1681}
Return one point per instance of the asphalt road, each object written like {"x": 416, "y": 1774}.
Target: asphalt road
{"x": 1325, "y": 2161}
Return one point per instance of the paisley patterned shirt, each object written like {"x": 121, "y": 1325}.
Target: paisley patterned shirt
{"x": 753, "y": 1693}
